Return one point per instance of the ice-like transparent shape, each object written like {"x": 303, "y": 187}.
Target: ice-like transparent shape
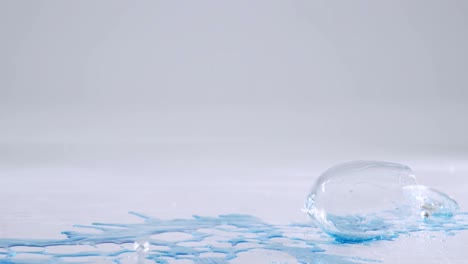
{"x": 430, "y": 203}
{"x": 365, "y": 200}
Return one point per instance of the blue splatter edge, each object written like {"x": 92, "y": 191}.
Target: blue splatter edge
{"x": 192, "y": 239}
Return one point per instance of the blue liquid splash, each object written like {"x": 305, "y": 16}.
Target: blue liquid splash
{"x": 196, "y": 240}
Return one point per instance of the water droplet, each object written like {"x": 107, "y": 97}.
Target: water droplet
{"x": 429, "y": 202}
{"x": 141, "y": 246}
{"x": 365, "y": 200}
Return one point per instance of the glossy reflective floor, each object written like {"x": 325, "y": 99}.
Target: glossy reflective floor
{"x": 41, "y": 201}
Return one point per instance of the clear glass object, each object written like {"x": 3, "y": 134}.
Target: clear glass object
{"x": 365, "y": 200}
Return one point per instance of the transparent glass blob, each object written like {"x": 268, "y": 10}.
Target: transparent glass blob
{"x": 366, "y": 200}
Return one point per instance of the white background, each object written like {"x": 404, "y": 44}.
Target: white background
{"x": 206, "y": 107}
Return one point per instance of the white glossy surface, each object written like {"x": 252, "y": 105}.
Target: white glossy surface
{"x": 40, "y": 202}
{"x": 174, "y": 109}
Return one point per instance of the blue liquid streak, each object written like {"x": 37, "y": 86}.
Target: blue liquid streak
{"x": 234, "y": 234}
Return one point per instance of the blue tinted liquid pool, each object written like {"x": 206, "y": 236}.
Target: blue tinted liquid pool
{"x": 196, "y": 240}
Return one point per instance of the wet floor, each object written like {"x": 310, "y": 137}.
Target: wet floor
{"x": 42, "y": 202}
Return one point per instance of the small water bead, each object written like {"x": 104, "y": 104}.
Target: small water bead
{"x": 141, "y": 246}
{"x": 365, "y": 200}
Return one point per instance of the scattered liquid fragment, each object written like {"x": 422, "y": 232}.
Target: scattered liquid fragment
{"x": 367, "y": 200}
